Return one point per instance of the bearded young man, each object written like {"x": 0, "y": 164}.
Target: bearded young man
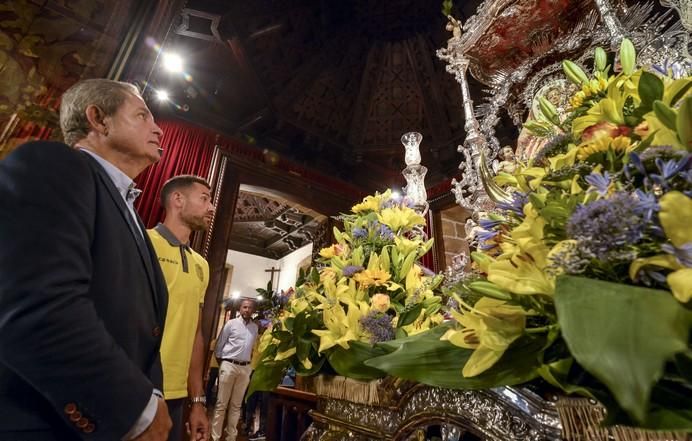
{"x": 188, "y": 205}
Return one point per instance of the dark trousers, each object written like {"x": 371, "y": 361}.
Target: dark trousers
{"x": 261, "y": 400}
{"x": 176, "y": 411}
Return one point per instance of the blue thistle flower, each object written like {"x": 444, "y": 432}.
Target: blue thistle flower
{"x": 606, "y": 227}
{"x": 379, "y": 326}
{"x": 350, "y": 270}
{"x": 385, "y": 232}
{"x": 600, "y": 182}
{"x": 359, "y": 233}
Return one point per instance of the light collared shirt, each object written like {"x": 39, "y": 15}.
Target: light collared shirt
{"x": 125, "y": 185}
{"x": 236, "y": 340}
{"x": 122, "y": 182}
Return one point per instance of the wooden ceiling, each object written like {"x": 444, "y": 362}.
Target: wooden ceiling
{"x": 265, "y": 225}
{"x": 331, "y": 85}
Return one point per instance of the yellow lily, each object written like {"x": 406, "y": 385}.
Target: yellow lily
{"x": 663, "y": 135}
{"x": 489, "y": 327}
{"x": 372, "y": 203}
{"x": 422, "y": 323}
{"x": 398, "y": 218}
{"x": 521, "y": 275}
{"x": 413, "y": 280}
{"x": 334, "y": 250}
{"x": 528, "y": 236}
{"x": 285, "y": 354}
{"x": 675, "y": 217}
{"x": 341, "y": 327}
{"x": 405, "y": 246}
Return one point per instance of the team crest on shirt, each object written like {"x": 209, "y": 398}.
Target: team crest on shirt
{"x": 200, "y": 273}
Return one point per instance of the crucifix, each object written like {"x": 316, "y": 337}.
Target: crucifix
{"x": 273, "y": 270}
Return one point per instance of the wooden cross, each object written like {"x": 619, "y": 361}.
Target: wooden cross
{"x": 272, "y": 270}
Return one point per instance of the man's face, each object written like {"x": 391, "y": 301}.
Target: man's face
{"x": 247, "y": 308}
{"x": 197, "y": 209}
{"x": 133, "y": 132}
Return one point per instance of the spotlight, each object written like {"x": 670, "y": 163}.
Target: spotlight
{"x": 260, "y": 298}
{"x": 236, "y": 294}
{"x": 396, "y": 195}
{"x": 172, "y": 62}
{"x": 162, "y": 95}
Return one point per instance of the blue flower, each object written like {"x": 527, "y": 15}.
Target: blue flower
{"x": 606, "y": 228}
{"x": 635, "y": 164}
{"x": 516, "y": 206}
{"x": 489, "y": 224}
{"x": 647, "y": 204}
{"x": 426, "y": 271}
{"x": 683, "y": 254}
{"x": 486, "y": 235}
{"x": 385, "y": 232}
{"x": 600, "y": 182}
{"x": 359, "y": 233}
{"x": 379, "y": 326}
{"x": 350, "y": 270}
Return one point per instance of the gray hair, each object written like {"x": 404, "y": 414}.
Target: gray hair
{"x": 107, "y": 95}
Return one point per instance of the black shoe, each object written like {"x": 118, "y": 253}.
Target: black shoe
{"x": 259, "y": 435}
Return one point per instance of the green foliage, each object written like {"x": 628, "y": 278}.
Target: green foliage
{"x": 622, "y": 335}
{"x": 427, "y": 359}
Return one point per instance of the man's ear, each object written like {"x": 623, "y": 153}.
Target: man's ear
{"x": 96, "y": 117}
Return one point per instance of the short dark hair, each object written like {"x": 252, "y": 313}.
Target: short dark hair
{"x": 180, "y": 182}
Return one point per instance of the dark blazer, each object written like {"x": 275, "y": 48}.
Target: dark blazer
{"x": 82, "y": 301}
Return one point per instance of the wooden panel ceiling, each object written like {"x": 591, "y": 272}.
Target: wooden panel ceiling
{"x": 273, "y": 228}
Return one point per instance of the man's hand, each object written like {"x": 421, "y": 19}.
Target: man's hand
{"x": 159, "y": 428}
{"x": 198, "y": 424}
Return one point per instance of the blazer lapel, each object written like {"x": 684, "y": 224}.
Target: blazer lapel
{"x": 144, "y": 252}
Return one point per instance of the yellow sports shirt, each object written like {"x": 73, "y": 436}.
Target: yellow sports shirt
{"x": 187, "y": 276}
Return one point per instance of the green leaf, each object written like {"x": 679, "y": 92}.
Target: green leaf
{"x": 266, "y": 376}
{"x": 349, "y": 362}
{"x": 645, "y": 143}
{"x": 665, "y": 114}
{"x": 536, "y": 201}
{"x": 623, "y": 335}
{"x": 670, "y": 409}
{"x": 426, "y": 359}
{"x": 650, "y": 90}
{"x": 409, "y": 315}
{"x": 684, "y": 123}
{"x": 677, "y": 90}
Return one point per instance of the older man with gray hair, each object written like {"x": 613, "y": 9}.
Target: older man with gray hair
{"x": 82, "y": 298}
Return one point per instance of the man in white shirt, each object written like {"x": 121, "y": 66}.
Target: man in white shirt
{"x": 234, "y": 349}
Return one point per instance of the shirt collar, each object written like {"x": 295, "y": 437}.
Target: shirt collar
{"x": 169, "y": 236}
{"x": 121, "y": 181}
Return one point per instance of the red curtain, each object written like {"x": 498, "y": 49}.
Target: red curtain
{"x": 187, "y": 150}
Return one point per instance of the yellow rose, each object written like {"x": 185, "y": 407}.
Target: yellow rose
{"x": 380, "y": 302}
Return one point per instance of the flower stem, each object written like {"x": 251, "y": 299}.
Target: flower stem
{"x": 541, "y": 329}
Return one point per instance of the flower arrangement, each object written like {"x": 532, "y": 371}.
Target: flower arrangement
{"x": 366, "y": 289}
{"x": 587, "y": 266}
{"x": 582, "y": 278}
